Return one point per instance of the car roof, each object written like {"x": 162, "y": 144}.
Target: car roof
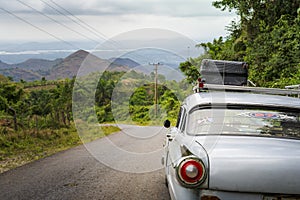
{"x": 240, "y": 98}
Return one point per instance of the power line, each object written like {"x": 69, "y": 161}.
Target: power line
{"x": 61, "y": 13}
{"x": 52, "y": 35}
{"x": 83, "y": 24}
{"x": 40, "y": 29}
{"x": 54, "y": 20}
{"x": 96, "y": 32}
{"x": 112, "y": 43}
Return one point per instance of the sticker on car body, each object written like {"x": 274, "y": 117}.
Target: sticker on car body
{"x": 268, "y": 115}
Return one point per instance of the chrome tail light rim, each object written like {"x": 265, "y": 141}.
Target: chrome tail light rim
{"x": 187, "y": 165}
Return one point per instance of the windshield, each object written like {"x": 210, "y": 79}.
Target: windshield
{"x": 238, "y": 121}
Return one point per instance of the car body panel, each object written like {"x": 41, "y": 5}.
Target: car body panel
{"x": 253, "y": 164}
{"x": 237, "y": 166}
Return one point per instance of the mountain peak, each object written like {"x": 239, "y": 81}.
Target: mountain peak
{"x": 34, "y": 69}
{"x": 71, "y": 64}
{"x": 80, "y": 53}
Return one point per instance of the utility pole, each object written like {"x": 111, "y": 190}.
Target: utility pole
{"x": 155, "y": 85}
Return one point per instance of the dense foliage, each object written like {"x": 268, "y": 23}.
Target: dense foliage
{"x": 36, "y": 118}
{"x": 266, "y": 36}
{"x": 35, "y": 107}
{"x": 130, "y": 97}
{"x": 42, "y": 105}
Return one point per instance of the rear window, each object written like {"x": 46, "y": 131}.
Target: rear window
{"x": 245, "y": 122}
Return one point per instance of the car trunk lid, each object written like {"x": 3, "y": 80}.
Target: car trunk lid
{"x": 253, "y": 164}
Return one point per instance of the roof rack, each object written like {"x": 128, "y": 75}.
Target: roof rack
{"x": 294, "y": 87}
{"x": 232, "y": 88}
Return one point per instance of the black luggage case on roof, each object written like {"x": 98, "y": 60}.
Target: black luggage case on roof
{"x": 224, "y": 72}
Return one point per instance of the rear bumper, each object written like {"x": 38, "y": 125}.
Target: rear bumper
{"x": 177, "y": 192}
{"x": 211, "y": 194}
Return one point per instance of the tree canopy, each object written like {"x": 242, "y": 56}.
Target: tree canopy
{"x": 266, "y": 36}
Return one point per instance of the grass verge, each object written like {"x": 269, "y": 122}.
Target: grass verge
{"x": 19, "y": 148}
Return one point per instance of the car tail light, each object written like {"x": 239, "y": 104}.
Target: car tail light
{"x": 191, "y": 172}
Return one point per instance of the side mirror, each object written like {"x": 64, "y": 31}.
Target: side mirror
{"x": 167, "y": 124}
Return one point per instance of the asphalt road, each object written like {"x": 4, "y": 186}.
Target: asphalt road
{"x": 102, "y": 169}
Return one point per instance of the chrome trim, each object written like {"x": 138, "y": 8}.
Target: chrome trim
{"x": 181, "y": 162}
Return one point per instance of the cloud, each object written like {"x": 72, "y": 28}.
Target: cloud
{"x": 194, "y": 18}
{"x": 19, "y": 6}
{"x": 175, "y": 8}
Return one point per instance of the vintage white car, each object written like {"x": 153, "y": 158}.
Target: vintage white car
{"x": 235, "y": 143}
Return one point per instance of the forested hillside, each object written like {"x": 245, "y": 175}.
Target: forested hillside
{"x": 266, "y": 36}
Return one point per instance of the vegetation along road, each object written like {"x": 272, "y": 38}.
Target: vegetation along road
{"x": 77, "y": 173}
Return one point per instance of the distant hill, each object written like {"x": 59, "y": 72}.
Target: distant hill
{"x": 32, "y": 64}
{"x": 19, "y": 52}
{"x": 37, "y": 64}
{"x": 17, "y": 74}
{"x": 124, "y": 62}
{"x": 4, "y": 65}
{"x": 35, "y": 69}
{"x": 69, "y": 66}
{"x": 30, "y": 70}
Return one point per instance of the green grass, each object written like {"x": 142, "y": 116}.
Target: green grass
{"x": 18, "y": 148}
{"x": 89, "y": 133}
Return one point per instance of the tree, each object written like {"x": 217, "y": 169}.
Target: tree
{"x": 190, "y": 71}
{"x": 62, "y": 101}
{"x": 140, "y": 97}
{"x": 267, "y": 37}
{"x": 170, "y": 103}
{"x": 40, "y": 104}
{"x": 10, "y": 95}
{"x": 279, "y": 56}
{"x": 253, "y": 12}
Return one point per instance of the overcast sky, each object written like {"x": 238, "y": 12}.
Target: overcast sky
{"x": 50, "y": 20}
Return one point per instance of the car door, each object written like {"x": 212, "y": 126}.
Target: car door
{"x": 172, "y": 150}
